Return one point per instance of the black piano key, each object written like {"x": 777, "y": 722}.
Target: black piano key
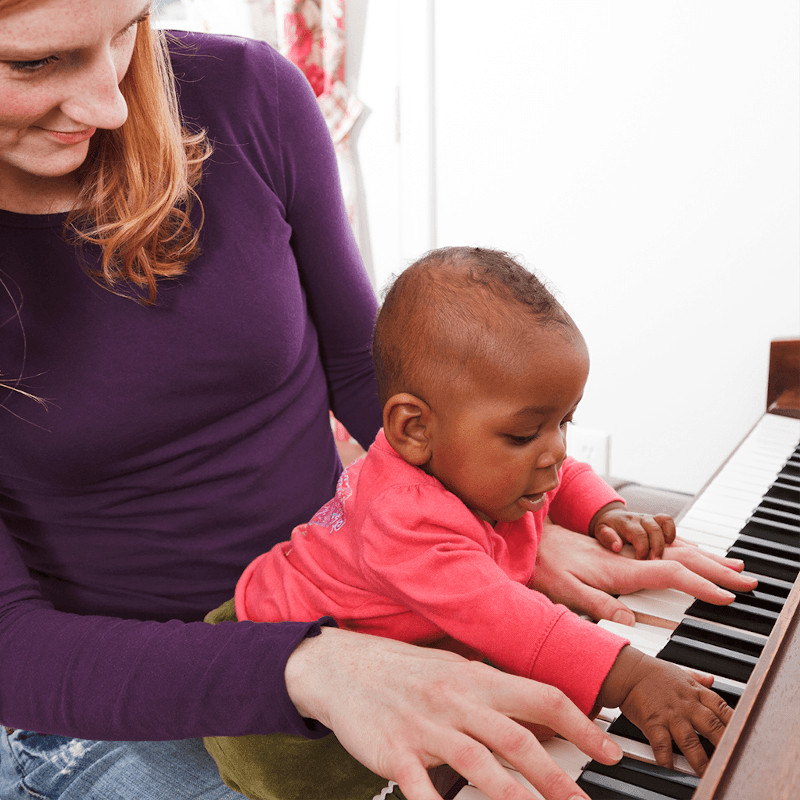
{"x": 636, "y": 779}
{"x": 761, "y": 564}
{"x": 787, "y": 550}
{"x": 776, "y": 504}
{"x": 709, "y": 632}
{"x": 713, "y": 648}
{"x": 788, "y": 477}
{"x": 771, "y": 530}
{"x": 779, "y": 513}
{"x": 784, "y": 491}
{"x": 738, "y": 614}
{"x": 774, "y": 586}
{"x": 709, "y": 658}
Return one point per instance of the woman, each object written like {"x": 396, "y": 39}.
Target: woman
{"x": 184, "y": 297}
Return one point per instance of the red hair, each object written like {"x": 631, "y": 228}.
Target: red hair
{"x": 138, "y": 181}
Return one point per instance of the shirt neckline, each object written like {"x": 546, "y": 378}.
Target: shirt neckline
{"x": 13, "y": 219}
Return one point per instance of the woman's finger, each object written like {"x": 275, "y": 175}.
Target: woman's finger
{"x": 585, "y": 599}
{"x": 529, "y": 701}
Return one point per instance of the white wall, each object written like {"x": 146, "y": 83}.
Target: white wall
{"x": 643, "y": 156}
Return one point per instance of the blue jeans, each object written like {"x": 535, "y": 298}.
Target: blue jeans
{"x": 60, "y": 768}
{"x": 44, "y": 767}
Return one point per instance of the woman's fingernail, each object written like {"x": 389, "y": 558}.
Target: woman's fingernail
{"x": 624, "y": 617}
{"x": 612, "y": 750}
{"x": 725, "y": 595}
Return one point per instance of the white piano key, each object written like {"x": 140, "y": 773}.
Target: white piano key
{"x": 567, "y": 755}
{"x": 647, "y": 638}
{"x": 643, "y": 752}
{"x": 667, "y": 604}
{"x": 724, "y": 531}
{"x": 719, "y": 545}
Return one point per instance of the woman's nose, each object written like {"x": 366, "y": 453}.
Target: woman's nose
{"x": 95, "y": 99}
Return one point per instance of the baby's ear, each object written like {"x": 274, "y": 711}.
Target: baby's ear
{"x": 406, "y": 420}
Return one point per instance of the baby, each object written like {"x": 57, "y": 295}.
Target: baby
{"x": 432, "y": 537}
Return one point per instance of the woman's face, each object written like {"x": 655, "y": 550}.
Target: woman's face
{"x": 61, "y": 62}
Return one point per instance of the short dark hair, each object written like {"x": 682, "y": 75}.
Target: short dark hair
{"x": 443, "y": 306}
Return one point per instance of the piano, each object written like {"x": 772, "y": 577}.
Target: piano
{"x": 750, "y": 509}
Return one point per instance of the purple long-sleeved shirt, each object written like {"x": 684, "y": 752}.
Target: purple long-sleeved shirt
{"x": 181, "y": 440}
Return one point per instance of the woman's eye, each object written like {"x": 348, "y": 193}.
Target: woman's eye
{"x": 32, "y": 66}
{"x": 567, "y": 421}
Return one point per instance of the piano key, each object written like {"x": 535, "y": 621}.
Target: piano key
{"x": 707, "y": 657}
{"x": 778, "y": 512}
{"x": 781, "y": 504}
{"x": 776, "y": 586}
{"x": 713, "y": 648}
{"x": 637, "y": 780}
{"x": 647, "y": 638}
{"x": 750, "y": 611}
{"x": 666, "y": 604}
{"x": 781, "y": 549}
{"x": 772, "y": 530}
{"x": 763, "y": 564}
{"x": 712, "y": 633}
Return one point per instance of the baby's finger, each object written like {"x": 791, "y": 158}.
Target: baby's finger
{"x": 707, "y": 723}
{"x": 609, "y": 538}
{"x": 655, "y": 536}
{"x": 688, "y": 743}
{"x": 718, "y": 707}
{"x": 667, "y": 527}
{"x": 636, "y": 533}
{"x": 661, "y": 742}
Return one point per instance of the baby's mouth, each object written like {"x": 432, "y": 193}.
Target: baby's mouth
{"x": 532, "y": 502}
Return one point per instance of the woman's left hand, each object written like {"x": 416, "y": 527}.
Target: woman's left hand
{"x": 580, "y": 573}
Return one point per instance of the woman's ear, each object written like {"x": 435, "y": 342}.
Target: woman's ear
{"x": 406, "y": 423}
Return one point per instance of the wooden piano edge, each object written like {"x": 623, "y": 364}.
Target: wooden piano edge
{"x": 725, "y": 767}
{"x": 783, "y": 383}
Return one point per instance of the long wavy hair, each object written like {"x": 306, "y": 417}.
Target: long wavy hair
{"x": 138, "y": 183}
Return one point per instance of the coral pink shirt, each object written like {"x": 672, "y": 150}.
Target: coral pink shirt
{"x": 396, "y": 554}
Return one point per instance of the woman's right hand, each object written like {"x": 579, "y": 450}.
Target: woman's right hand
{"x": 400, "y": 709}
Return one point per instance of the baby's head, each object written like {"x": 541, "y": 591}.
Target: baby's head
{"x": 479, "y": 369}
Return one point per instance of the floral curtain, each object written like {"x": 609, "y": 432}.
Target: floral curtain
{"x": 311, "y": 34}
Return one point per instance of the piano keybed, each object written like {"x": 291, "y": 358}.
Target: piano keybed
{"x": 749, "y": 510}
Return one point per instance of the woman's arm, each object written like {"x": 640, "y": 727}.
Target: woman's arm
{"x": 580, "y": 573}
{"x": 341, "y": 300}
{"x": 99, "y": 677}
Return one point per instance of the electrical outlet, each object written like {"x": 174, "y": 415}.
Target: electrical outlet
{"x": 590, "y": 446}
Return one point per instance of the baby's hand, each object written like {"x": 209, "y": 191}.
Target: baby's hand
{"x": 613, "y": 525}
{"x": 666, "y": 703}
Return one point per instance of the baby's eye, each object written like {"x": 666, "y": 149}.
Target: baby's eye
{"x": 521, "y": 440}
{"x": 565, "y": 422}
{"x": 31, "y": 66}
